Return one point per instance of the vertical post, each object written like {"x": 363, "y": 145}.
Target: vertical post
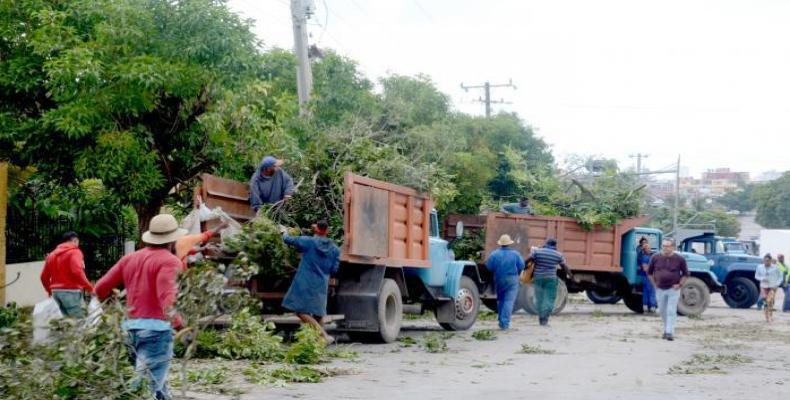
{"x": 487, "y": 87}
{"x": 677, "y": 200}
{"x": 3, "y": 214}
{"x": 639, "y": 163}
{"x": 304, "y": 75}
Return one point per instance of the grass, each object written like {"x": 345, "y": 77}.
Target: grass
{"x": 407, "y": 341}
{"x": 414, "y": 317}
{"x": 487, "y": 315}
{"x": 708, "y": 364}
{"x": 529, "y": 349}
{"x": 434, "y": 343}
{"x": 598, "y": 314}
{"x": 485, "y": 334}
{"x": 343, "y": 352}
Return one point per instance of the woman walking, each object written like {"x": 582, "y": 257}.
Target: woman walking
{"x": 770, "y": 278}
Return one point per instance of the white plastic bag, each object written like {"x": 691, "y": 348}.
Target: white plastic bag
{"x": 205, "y": 213}
{"x": 192, "y": 222}
{"x": 44, "y": 312}
{"x": 94, "y": 312}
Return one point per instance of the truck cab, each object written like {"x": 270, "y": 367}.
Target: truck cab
{"x": 731, "y": 264}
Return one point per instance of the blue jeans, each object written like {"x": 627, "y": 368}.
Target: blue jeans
{"x": 69, "y": 301}
{"x": 648, "y": 292}
{"x": 786, "y": 304}
{"x": 151, "y": 352}
{"x": 668, "y": 305}
{"x": 506, "y": 292}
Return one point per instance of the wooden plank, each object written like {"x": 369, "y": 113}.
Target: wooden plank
{"x": 371, "y": 222}
{"x": 409, "y": 222}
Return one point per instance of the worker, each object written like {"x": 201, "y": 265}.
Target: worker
{"x": 668, "y": 272}
{"x": 149, "y": 276}
{"x": 64, "y": 277}
{"x": 546, "y": 260}
{"x": 522, "y": 207}
{"x": 307, "y": 295}
{"x": 192, "y": 244}
{"x": 780, "y": 262}
{"x": 648, "y": 291}
{"x": 505, "y": 263}
{"x": 770, "y": 277}
{"x": 270, "y": 184}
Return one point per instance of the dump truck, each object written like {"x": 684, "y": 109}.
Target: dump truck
{"x": 391, "y": 255}
{"x": 603, "y": 260}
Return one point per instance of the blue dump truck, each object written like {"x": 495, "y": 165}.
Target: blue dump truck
{"x": 732, "y": 265}
{"x": 603, "y": 260}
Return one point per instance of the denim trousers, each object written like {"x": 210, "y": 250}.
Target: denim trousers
{"x": 506, "y": 292}
{"x": 668, "y": 305}
{"x": 648, "y": 292}
{"x": 151, "y": 352}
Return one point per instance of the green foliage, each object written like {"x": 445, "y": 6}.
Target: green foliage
{"x": 530, "y": 349}
{"x": 773, "y": 209}
{"x": 260, "y": 247}
{"x": 97, "y": 368}
{"x": 210, "y": 376}
{"x": 434, "y": 343}
{"x": 708, "y": 364}
{"x": 484, "y": 334}
{"x": 9, "y": 315}
{"x": 309, "y": 348}
{"x": 741, "y": 199}
{"x": 279, "y": 377}
{"x": 470, "y": 246}
{"x": 725, "y": 224}
{"x": 249, "y": 338}
{"x": 408, "y": 102}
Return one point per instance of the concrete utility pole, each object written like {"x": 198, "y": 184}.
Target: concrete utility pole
{"x": 487, "y": 93}
{"x": 639, "y": 157}
{"x": 677, "y": 200}
{"x": 300, "y": 12}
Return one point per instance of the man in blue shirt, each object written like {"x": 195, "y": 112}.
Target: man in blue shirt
{"x": 505, "y": 264}
{"x": 522, "y": 207}
{"x": 544, "y": 280}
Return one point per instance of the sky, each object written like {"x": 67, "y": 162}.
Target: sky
{"x": 706, "y": 80}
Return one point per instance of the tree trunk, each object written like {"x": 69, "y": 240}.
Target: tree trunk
{"x": 145, "y": 212}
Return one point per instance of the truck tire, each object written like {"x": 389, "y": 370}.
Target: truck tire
{"x": 560, "y": 301}
{"x": 634, "y": 302}
{"x": 599, "y": 296}
{"x": 467, "y": 305}
{"x": 390, "y": 311}
{"x": 741, "y": 292}
{"x": 694, "y": 297}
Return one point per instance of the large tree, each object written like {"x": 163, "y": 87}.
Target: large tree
{"x": 773, "y": 207}
{"x": 141, "y": 94}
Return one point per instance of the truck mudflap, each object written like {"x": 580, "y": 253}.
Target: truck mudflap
{"x": 357, "y": 298}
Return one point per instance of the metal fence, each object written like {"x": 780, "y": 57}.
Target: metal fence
{"x": 30, "y": 235}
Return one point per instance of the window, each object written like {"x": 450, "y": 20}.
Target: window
{"x": 701, "y": 247}
{"x": 434, "y": 225}
{"x": 719, "y": 246}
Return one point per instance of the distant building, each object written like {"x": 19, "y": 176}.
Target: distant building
{"x": 714, "y": 183}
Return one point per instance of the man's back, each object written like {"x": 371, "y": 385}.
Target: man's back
{"x": 505, "y": 262}
{"x": 546, "y": 261}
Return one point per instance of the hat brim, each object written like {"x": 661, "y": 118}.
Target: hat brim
{"x": 158, "y": 238}
{"x": 505, "y": 243}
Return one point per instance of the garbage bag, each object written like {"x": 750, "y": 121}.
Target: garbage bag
{"x": 94, "y": 312}
{"x": 192, "y": 222}
{"x": 44, "y": 312}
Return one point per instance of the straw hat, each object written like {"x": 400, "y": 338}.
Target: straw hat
{"x": 505, "y": 240}
{"x": 163, "y": 229}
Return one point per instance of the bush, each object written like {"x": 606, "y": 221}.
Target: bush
{"x": 309, "y": 348}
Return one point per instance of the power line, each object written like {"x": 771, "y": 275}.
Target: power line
{"x": 487, "y": 93}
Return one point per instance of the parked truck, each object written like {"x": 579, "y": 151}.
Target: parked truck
{"x": 391, "y": 255}
{"x": 732, "y": 265}
{"x": 602, "y": 260}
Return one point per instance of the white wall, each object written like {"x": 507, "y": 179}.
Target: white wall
{"x": 27, "y": 290}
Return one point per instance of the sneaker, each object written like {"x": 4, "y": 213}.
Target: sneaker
{"x": 664, "y": 336}
{"x": 543, "y": 321}
{"x": 670, "y": 337}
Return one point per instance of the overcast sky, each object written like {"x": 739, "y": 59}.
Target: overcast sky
{"x": 709, "y": 80}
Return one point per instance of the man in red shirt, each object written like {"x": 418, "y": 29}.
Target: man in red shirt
{"x": 64, "y": 277}
{"x": 149, "y": 276}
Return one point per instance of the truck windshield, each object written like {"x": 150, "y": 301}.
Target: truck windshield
{"x": 734, "y": 248}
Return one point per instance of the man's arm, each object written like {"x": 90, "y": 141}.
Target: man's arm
{"x": 46, "y": 275}
{"x": 520, "y": 263}
{"x": 684, "y": 271}
{"x": 566, "y": 268}
{"x": 301, "y": 243}
{"x": 77, "y": 267}
{"x": 651, "y": 269}
{"x": 167, "y": 290}
{"x": 112, "y": 279}
{"x": 255, "y": 197}
{"x": 288, "y": 184}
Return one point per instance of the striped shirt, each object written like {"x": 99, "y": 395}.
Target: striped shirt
{"x": 546, "y": 260}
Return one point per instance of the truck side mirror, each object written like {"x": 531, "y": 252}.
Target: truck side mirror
{"x": 459, "y": 229}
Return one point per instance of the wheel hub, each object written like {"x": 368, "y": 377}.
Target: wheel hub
{"x": 464, "y": 304}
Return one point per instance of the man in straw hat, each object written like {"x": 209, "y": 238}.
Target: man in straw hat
{"x": 505, "y": 264}
{"x": 149, "y": 276}
{"x": 546, "y": 260}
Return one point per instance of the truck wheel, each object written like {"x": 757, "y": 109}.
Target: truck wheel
{"x": 390, "y": 311}
{"x": 694, "y": 297}
{"x": 560, "y": 301}
{"x": 467, "y": 305}
{"x": 741, "y": 293}
{"x": 598, "y": 296}
{"x": 634, "y": 302}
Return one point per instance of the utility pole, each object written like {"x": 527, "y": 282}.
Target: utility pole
{"x": 300, "y": 12}
{"x": 677, "y": 200}
{"x": 487, "y": 93}
{"x": 639, "y": 157}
